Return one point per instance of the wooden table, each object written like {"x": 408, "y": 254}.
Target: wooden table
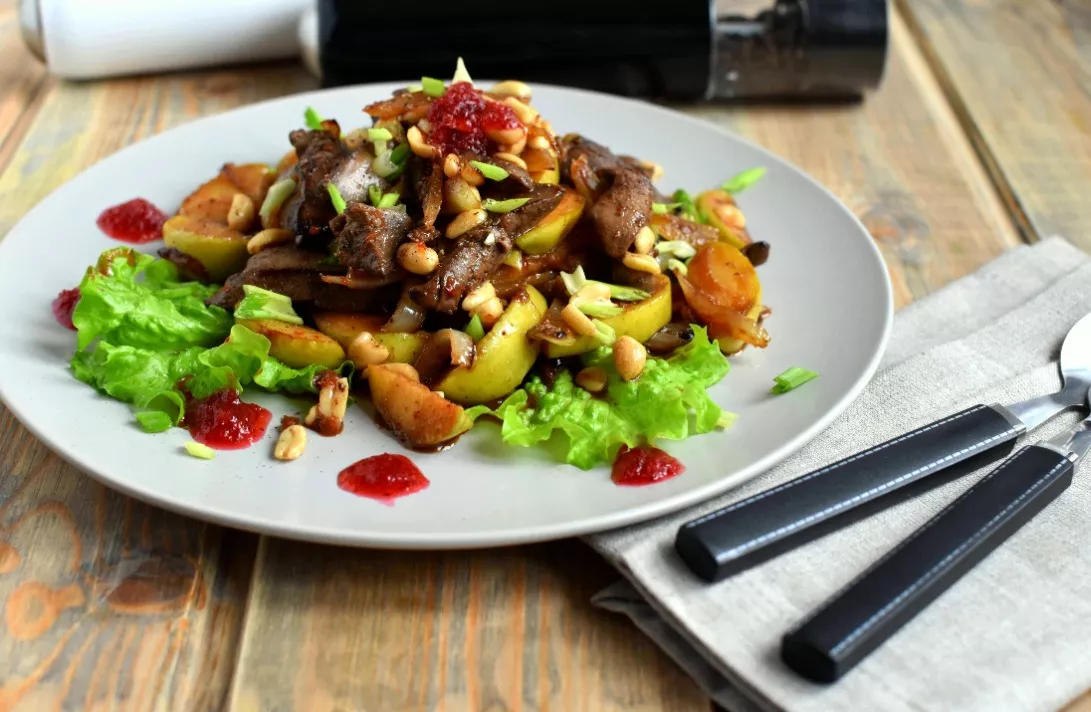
{"x": 979, "y": 140}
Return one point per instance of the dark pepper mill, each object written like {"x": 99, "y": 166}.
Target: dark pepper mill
{"x": 687, "y": 50}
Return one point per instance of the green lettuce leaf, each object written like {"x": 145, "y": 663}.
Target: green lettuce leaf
{"x": 258, "y": 303}
{"x": 140, "y": 302}
{"x": 668, "y": 401}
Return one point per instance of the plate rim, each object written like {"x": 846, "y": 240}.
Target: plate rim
{"x": 510, "y": 536}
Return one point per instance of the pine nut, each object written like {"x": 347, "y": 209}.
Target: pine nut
{"x": 466, "y": 221}
{"x": 425, "y": 125}
{"x": 490, "y": 311}
{"x": 656, "y": 169}
{"x": 506, "y": 136}
{"x": 526, "y": 113}
{"x": 592, "y": 379}
{"x": 451, "y": 165}
{"x": 479, "y": 296}
{"x": 540, "y": 142}
{"x": 595, "y": 292}
{"x": 629, "y": 357}
{"x": 291, "y": 443}
{"x": 459, "y": 196}
{"x": 365, "y": 350}
{"x": 511, "y": 87}
{"x": 241, "y": 214}
{"x": 268, "y": 238}
{"x": 341, "y": 398}
{"x": 641, "y": 263}
{"x": 511, "y": 158}
{"x": 471, "y": 175}
{"x": 312, "y": 417}
{"x": 418, "y": 258}
{"x": 418, "y": 144}
{"x": 645, "y": 241}
{"x": 731, "y": 216}
{"x": 517, "y": 147}
{"x": 580, "y": 322}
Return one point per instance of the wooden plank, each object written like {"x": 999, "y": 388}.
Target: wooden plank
{"x": 512, "y": 629}
{"x": 21, "y": 80}
{"x": 109, "y": 603}
{"x": 1019, "y": 75}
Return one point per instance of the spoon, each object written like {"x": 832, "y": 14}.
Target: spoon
{"x": 758, "y": 528}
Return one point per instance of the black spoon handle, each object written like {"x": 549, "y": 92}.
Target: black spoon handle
{"x": 861, "y": 617}
{"x": 755, "y": 529}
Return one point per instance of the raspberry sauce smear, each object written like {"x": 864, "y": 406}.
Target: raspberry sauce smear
{"x": 223, "y": 422}
{"x": 135, "y": 222}
{"x": 461, "y": 117}
{"x": 382, "y": 477}
{"x": 644, "y": 466}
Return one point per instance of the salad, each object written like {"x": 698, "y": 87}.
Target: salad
{"x": 455, "y": 262}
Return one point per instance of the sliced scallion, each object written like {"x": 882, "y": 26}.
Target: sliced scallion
{"x": 475, "y": 328}
{"x": 275, "y": 197}
{"x": 384, "y": 164}
{"x": 313, "y": 119}
{"x": 489, "y": 170}
{"x": 379, "y": 134}
{"x": 726, "y": 419}
{"x": 389, "y": 200}
{"x": 202, "y": 452}
{"x": 677, "y": 266}
{"x": 627, "y": 294}
{"x": 503, "y": 206}
{"x": 688, "y": 207}
{"x": 374, "y": 194}
{"x": 676, "y": 248}
{"x": 606, "y": 334}
{"x": 400, "y": 153}
{"x": 335, "y": 197}
{"x": 414, "y": 88}
{"x": 432, "y": 86}
{"x": 575, "y": 281}
{"x": 742, "y": 181}
{"x": 791, "y": 379}
{"x": 461, "y": 75}
{"x": 600, "y": 310}
{"x": 664, "y": 208}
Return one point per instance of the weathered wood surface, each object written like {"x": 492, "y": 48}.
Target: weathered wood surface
{"x": 112, "y": 604}
{"x": 1018, "y": 73}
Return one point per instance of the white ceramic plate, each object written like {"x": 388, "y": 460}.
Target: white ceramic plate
{"x": 826, "y": 283}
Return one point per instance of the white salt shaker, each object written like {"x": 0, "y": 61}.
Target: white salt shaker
{"x": 87, "y": 39}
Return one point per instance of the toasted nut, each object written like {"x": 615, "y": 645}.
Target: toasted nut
{"x": 656, "y": 169}
{"x": 268, "y": 238}
{"x": 526, "y": 113}
{"x": 418, "y": 144}
{"x": 517, "y": 147}
{"x": 539, "y": 142}
{"x": 312, "y": 417}
{"x": 641, "y": 263}
{"x": 241, "y": 215}
{"x": 645, "y": 241}
{"x": 471, "y": 175}
{"x": 592, "y": 379}
{"x": 451, "y": 165}
{"x": 479, "y": 296}
{"x": 579, "y": 321}
{"x": 594, "y": 292}
{"x": 489, "y": 311}
{"x": 291, "y": 442}
{"x": 629, "y": 357}
{"x": 507, "y": 136}
{"x": 459, "y": 196}
{"x": 465, "y": 222}
{"x": 731, "y": 216}
{"x": 547, "y": 127}
{"x": 365, "y": 350}
{"x": 333, "y": 401}
{"x": 425, "y": 125}
{"x": 512, "y": 158}
{"x": 418, "y": 258}
{"x": 511, "y": 87}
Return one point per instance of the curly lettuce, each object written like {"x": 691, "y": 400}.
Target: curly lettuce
{"x": 668, "y": 401}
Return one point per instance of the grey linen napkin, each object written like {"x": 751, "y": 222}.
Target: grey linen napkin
{"x": 1014, "y": 634}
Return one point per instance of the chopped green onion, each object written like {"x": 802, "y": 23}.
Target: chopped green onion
{"x": 413, "y": 88}
{"x": 389, "y": 200}
{"x": 503, "y": 206}
{"x": 606, "y": 333}
{"x": 433, "y": 87}
{"x": 489, "y": 170}
{"x": 374, "y": 194}
{"x": 514, "y": 259}
{"x": 461, "y": 75}
{"x": 379, "y": 135}
{"x": 574, "y": 282}
{"x": 475, "y": 328}
{"x": 791, "y": 379}
{"x": 577, "y": 280}
{"x": 278, "y": 193}
{"x": 202, "y": 452}
{"x": 384, "y": 165}
{"x": 258, "y": 303}
{"x": 727, "y": 419}
{"x": 627, "y": 294}
{"x": 154, "y": 421}
{"x": 313, "y": 119}
{"x": 600, "y": 310}
{"x": 335, "y": 196}
{"x": 677, "y": 266}
{"x": 400, "y": 153}
{"x": 676, "y": 248}
{"x": 689, "y": 208}
{"x": 664, "y": 208}
{"x": 742, "y": 181}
